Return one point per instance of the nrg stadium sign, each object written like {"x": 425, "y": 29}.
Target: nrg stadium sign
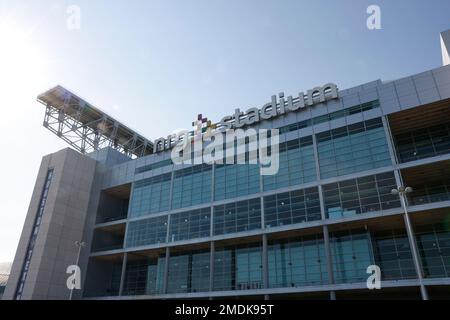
{"x": 276, "y": 107}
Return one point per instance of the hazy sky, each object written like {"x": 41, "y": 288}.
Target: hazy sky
{"x": 136, "y": 60}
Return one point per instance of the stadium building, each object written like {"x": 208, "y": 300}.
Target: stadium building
{"x": 364, "y": 179}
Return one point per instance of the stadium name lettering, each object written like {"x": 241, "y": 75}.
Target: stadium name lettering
{"x": 277, "y": 106}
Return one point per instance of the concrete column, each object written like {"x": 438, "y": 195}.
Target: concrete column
{"x": 265, "y": 262}
{"x": 327, "y": 247}
{"x": 261, "y": 190}
{"x": 166, "y": 271}
{"x": 213, "y": 177}
{"x": 211, "y": 266}
{"x": 172, "y": 176}
{"x": 326, "y": 236}
{"x": 122, "y": 276}
{"x": 169, "y": 216}
{"x": 414, "y": 250}
{"x": 389, "y": 139}
{"x": 332, "y": 295}
{"x": 170, "y": 207}
{"x": 211, "y": 231}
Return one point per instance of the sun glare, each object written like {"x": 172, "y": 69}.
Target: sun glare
{"x": 21, "y": 67}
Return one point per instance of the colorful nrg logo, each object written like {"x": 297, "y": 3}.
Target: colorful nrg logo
{"x": 201, "y": 125}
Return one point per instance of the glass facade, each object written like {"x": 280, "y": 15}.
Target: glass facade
{"x": 354, "y": 148}
{"x": 429, "y": 192}
{"x": 433, "y": 242}
{"x": 292, "y": 207}
{"x": 361, "y": 195}
{"x": 297, "y": 262}
{"x": 199, "y": 203}
{"x": 154, "y": 166}
{"x": 341, "y": 151}
{"x": 190, "y": 224}
{"x": 191, "y": 186}
{"x": 235, "y": 180}
{"x": 146, "y": 231}
{"x": 393, "y": 255}
{"x": 189, "y": 272}
{"x": 144, "y": 276}
{"x": 351, "y": 255}
{"x": 297, "y": 165}
{"x": 150, "y": 195}
{"x": 423, "y": 143}
{"x": 237, "y": 216}
{"x": 238, "y": 268}
{"x": 114, "y": 285}
{"x": 330, "y": 116}
{"x": 111, "y": 277}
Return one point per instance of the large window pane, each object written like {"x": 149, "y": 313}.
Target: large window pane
{"x": 297, "y": 262}
{"x": 353, "y": 148}
{"x": 351, "y": 255}
{"x": 238, "y": 268}
{"x": 192, "y": 186}
{"x": 190, "y": 224}
{"x": 150, "y": 195}
{"x": 361, "y": 195}
{"x": 146, "y": 232}
{"x": 189, "y": 272}
{"x": 296, "y": 166}
{"x": 237, "y": 216}
{"x": 292, "y": 207}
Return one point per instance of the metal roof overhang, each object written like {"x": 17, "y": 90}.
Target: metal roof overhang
{"x": 86, "y": 128}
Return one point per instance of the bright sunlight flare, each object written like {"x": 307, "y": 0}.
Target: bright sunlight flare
{"x": 21, "y": 66}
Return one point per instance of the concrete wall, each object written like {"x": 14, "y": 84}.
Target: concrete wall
{"x": 62, "y": 224}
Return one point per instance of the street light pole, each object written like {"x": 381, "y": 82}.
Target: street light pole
{"x": 402, "y": 192}
{"x": 79, "y": 244}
